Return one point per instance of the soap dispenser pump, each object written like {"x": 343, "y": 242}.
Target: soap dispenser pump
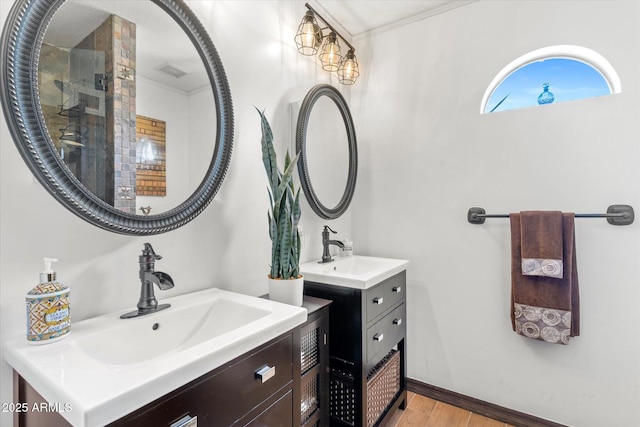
{"x": 48, "y": 309}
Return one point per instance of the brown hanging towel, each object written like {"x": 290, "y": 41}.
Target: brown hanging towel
{"x": 545, "y": 302}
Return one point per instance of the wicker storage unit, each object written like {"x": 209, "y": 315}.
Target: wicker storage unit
{"x": 382, "y": 386}
{"x": 368, "y": 351}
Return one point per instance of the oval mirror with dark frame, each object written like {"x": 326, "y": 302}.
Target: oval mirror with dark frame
{"x": 322, "y": 131}
{"x": 54, "y": 157}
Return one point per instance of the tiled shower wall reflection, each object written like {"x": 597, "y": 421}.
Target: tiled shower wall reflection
{"x": 117, "y": 38}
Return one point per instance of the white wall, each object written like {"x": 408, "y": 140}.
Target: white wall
{"x": 227, "y": 246}
{"x": 427, "y": 155}
{"x": 173, "y": 107}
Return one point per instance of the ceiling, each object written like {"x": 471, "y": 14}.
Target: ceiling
{"x": 177, "y": 51}
{"x": 351, "y": 18}
{"x": 357, "y": 17}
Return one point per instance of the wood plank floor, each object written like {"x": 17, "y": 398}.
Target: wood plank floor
{"x": 425, "y": 412}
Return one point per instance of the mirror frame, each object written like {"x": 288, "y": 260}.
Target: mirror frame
{"x": 301, "y": 144}
{"x": 22, "y": 39}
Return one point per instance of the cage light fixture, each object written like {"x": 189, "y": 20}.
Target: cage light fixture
{"x": 309, "y": 35}
{"x": 348, "y": 71}
{"x": 310, "y": 38}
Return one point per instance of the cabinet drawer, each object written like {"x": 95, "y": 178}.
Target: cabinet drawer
{"x": 225, "y": 396}
{"x": 384, "y": 296}
{"x": 385, "y": 334}
{"x": 238, "y": 389}
{"x": 278, "y": 414}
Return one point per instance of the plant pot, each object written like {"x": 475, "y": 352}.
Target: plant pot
{"x": 286, "y": 291}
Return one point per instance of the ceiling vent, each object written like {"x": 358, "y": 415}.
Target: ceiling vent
{"x": 172, "y": 70}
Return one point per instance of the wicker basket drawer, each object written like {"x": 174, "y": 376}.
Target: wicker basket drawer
{"x": 383, "y": 384}
{"x": 342, "y": 397}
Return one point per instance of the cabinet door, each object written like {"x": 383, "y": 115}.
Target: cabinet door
{"x": 314, "y": 355}
{"x": 24, "y": 393}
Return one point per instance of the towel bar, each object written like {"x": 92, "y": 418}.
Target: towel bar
{"x": 616, "y": 215}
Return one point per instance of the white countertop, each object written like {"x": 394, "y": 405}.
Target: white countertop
{"x": 357, "y": 271}
{"x": 97, "y": 393}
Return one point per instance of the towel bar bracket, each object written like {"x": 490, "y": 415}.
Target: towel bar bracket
{"x": 616, "y": 215}
{"x": 623, "y": 215}
{"x": 473, "y": 216}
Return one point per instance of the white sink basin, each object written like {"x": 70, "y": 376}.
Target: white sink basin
{"x": 356, "y": 271}
{"x": 108, "y": 367}
{"x": 148, "y": 337}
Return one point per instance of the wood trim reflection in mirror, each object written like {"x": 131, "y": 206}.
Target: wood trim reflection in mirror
{"x": 151, "y": 158}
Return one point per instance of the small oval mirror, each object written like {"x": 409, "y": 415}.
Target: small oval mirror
{"x": 326, "y": 141}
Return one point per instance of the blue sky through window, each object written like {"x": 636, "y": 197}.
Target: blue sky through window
{"x": 568, "y": 80}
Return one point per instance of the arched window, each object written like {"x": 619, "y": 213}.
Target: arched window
{"x": 550, "y": 75}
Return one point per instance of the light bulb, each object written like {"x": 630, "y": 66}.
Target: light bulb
{"x": 348, "y": 71}
{"x": 330, "y": 55}
{"x": 308, "y": 34}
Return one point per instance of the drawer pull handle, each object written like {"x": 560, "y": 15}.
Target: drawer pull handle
{"x": 186, "y": 421}
{"x": 378, "y": 300}
{"x": 265, "y": 373}
{"x": 397, "y": 289}
{"x": 378, "y": 337}
{"x": 397, "y": 321}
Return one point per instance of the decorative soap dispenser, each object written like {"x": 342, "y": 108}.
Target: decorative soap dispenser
{"x": 48, "y": 311}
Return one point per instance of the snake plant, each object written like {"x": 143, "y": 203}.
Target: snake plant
{"x": 284, "y": 213}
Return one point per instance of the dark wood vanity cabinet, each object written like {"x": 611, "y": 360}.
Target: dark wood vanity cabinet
{"x": 231, "y": 395}
{"x": 368, "y": 350}
{"x": 234, "y": 394}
